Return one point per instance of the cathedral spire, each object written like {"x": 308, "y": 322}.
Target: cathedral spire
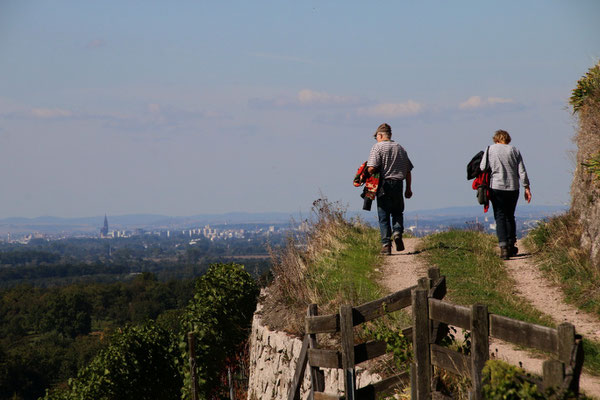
{"x": 104, "y": 230}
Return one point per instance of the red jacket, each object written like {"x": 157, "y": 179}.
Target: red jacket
{"x": 371, "y": 182}
{"x": 483, "y": 179}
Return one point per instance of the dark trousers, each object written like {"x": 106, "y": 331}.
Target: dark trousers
{"x": 390, "y": 204}
{"x": 504, "y": 203}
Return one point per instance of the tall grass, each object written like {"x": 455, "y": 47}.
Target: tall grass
{"x": 557, "y": 250}
{"x": 334, "y": 262}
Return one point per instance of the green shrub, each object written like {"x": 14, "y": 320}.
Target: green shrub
{"x": 503, "y": 381}
{"x": 141, "y": 362}
{"x": 219, "y": 315}
{"x": 587, "y": 86}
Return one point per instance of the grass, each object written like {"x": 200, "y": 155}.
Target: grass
{"x": 475, "y": 274}
{"x": 334, "y": 263}
{"x": 556, "y": 246}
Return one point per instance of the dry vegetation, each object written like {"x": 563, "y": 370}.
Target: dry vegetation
{"x": 331, "y": 263}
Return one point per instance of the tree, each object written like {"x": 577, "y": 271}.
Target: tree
{"x": 140, "y": 363}
{"x": 219, "y": 315}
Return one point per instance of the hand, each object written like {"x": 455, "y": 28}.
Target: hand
{"x": 528, "y": 195}
{"x": 408, "y": 193}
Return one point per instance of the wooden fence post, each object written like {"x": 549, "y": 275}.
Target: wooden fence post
{"x": 193, "y": 377}
{"x": 553, "y": 374}
{"x": 317, "y": 377}
{"x": 566, "y": 341}
{"x": 480, "y": 346}
{"x": 347, "y": 333}
{"x": 421, "y": 343}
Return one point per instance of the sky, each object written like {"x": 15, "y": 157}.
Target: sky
{"x": 193, "y": 107}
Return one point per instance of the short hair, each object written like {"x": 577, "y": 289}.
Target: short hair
{"x": 502, "y": 136}
{"x": 384, "y": 129}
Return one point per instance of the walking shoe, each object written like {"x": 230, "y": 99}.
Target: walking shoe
{"x": 504, "y": 253}
{"x": 386, "y": 250}
{"x": 397, "y": 238}
{"x": 513, "y": 250}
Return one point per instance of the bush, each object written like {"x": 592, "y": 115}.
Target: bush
{"x": 588, "y": 86}
{"x": 219, "y": 315}
{"x": 503, "y": 381}
{"x": 140, "y": 363}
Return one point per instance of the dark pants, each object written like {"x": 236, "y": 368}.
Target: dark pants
{"x": 504, "y": 203}
{"x": 391, "y": 203}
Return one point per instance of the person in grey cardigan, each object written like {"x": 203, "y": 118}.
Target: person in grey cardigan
{"x": 506, "y": 170}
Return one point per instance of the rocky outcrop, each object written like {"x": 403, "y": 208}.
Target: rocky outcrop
{"x": 585, "y": 189}
{"x": 273, "y": 359}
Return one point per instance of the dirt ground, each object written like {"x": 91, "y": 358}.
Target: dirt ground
{"x": 403, "y": 269}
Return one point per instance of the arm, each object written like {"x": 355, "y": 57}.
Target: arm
{"x": 371, "y": 170}
{"x": 524, "y": 178}
{"x": 408, "y": 191}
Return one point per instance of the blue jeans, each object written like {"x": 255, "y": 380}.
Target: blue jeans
{"x": 390, "y": 203}
{"x": 504, "y": 203}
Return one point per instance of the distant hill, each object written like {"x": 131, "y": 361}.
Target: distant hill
{"x": 49, "y": 224}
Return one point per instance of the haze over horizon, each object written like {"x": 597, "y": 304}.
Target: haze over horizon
{"x": 201, "y": 108}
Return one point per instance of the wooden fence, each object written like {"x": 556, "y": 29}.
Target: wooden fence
{"x": 431, "y": 317}
{"x": 350, "y": 355}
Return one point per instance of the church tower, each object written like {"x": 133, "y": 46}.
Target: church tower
{"x": 104, "y": 230}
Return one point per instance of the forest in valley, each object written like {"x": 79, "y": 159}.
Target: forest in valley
{"x": 69, "y": 308}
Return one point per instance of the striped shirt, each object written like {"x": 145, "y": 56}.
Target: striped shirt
{"x": 507, "y": 167}
{"x": 390, "y": 159}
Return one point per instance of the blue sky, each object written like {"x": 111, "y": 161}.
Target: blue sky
{"x": 192, "y": 107}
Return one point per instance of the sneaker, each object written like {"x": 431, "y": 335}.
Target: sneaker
{"x": 504, "y": 253}
{"x": 397, "y": 238}
{"x": 386, "y": 250}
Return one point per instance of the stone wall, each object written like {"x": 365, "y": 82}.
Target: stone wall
{"x": 273, "y": 359}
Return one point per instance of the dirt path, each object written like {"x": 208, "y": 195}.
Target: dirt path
{"x": 403, "y": 269}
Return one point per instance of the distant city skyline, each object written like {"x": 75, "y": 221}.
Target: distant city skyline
{"x": 201, "y": 108}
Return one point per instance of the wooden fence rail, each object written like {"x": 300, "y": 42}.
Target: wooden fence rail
{"x": 431, "y": 318}
{"x": 561, "y": 373}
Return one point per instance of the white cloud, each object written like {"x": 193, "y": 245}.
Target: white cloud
{"x": 307, "y": 96}
{"x": 392, "y": 109}
{"x": 94, "y": 44}
{"x": 474, "y": 102}
{"x": 43, "y": 113}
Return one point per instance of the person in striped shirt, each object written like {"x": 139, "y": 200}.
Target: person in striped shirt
{"x": 392, "y": 162}
{"x": 506, "y": 169}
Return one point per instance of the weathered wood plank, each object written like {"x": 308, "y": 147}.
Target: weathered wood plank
{"x": 566, "y": 341}
{"x": 554, "y": 374}
{"x": 480, "y": 347}
{"x": 438, "y": 290}
{"x": 326, "y": 396}
{"x": 576, "y": 365}
{"x": 384, "y": 386}
{"x": 451, "y": 314}
{"x": 451, "y": 360}
{"x": 377, "y": 308}
{"x": 421, "y": 343}
{"x": 317, "y": 376}
{"x": 325, "y": 358}
{"x": 369, "y": 350}
{"x": 347, "y": 334}
{"x": 523, "y": 333}
{"x": 323, "y": 324}
{"x": 294, "y": 392}
{"x": 365, "y": 312}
